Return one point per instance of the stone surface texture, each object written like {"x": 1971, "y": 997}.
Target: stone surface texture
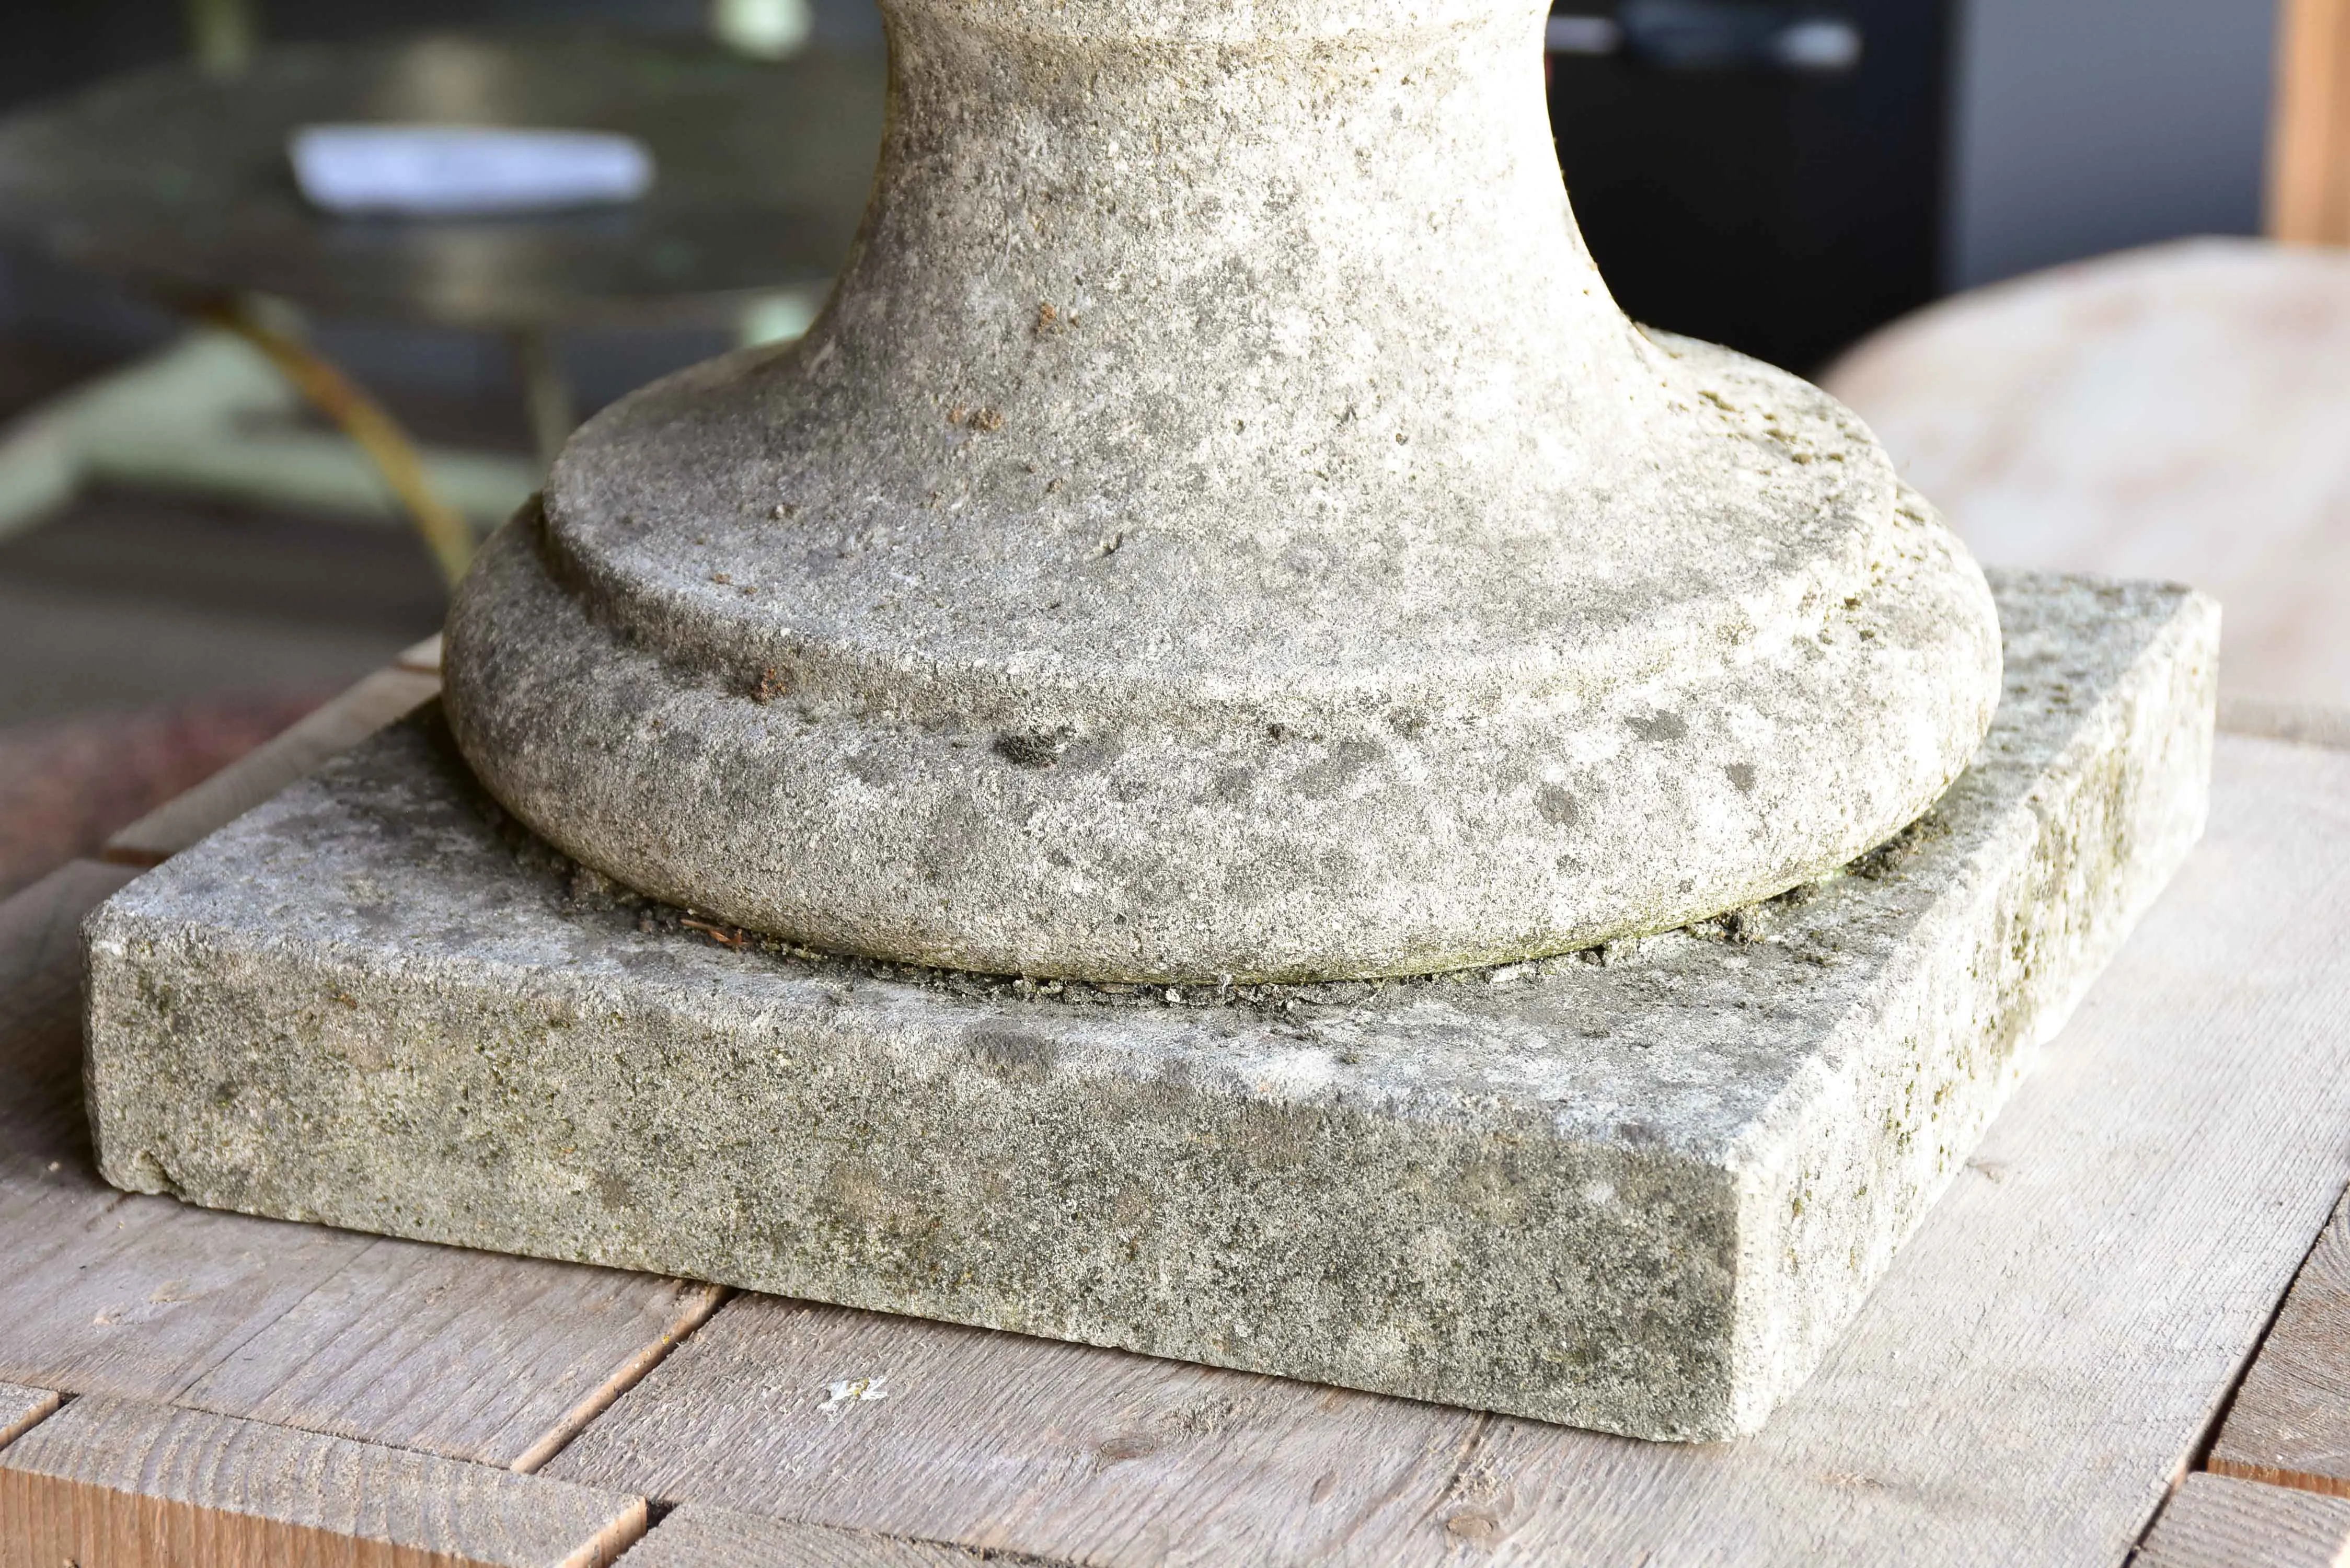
{"x": 1636, "y": 1189}
{"x": 1221, "y": 526}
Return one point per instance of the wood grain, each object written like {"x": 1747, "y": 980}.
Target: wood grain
{"x": 2216, "y": 1522}
{"x": 327, "y": 731}
{"x": 996, "y": 1441}
{"x": 128, "y": 1485}
{"x": 2291, "y": 1422}
{"x": 21, "y": 1408}
{"x": 497, "y": 1360}
{"x": 2039, "y": 1362}
{"x": 2309, "y": 133}
{"x": 468, "y": 1366}
{"x": 697, "y": 1537}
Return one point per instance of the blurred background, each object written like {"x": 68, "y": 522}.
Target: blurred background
{"x": 193, "y": 548}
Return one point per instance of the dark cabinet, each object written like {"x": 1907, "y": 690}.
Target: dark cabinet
{"x": 1765, "y": 176}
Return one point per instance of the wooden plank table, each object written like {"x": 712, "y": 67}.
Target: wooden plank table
{"x": 2043, "y": 1367}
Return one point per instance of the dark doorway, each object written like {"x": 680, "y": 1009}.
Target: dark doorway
{"x": 1765, "y": 176}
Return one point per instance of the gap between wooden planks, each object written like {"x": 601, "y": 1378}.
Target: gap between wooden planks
{"x": 116, "y": 1483}
{"x": 2215, "y": 1522}
{"x": 2289, "y": 1424}
{"x": 21, "y": 1407}
{"x": 698, "y": 1537}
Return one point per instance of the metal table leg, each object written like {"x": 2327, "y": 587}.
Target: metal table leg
{"x": 446, "y": 533}
{"x": 546, "y": 390}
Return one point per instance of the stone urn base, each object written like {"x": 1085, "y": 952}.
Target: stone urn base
{"x": 1637, "y": 1188}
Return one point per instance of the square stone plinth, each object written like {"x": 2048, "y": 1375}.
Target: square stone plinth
{"x": 1636, "y": 1189}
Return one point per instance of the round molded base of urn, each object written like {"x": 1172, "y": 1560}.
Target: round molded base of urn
{"x": 1375, "y": 832}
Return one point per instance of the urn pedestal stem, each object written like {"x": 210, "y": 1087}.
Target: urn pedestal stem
{"x": 1220, "y": 525}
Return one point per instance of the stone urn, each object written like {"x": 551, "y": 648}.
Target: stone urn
{"x": 1220, "y": 528}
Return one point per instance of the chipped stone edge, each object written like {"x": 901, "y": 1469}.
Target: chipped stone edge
{"x": 1999, "y": 965}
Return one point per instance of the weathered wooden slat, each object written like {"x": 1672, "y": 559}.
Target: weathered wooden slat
{"x": 493, "y": 1359}
{"x": 497, "y": 1360}
{"x": 327, "y": 731}
{"x": 696, "y": 1537}
{"x": 21, "y": 1407}
{"x": 2291, "y": 1422}
{"x": 2217, "y": 1522}
{"x": 2038, "y": 1365}
{"x": 2309, "y": 131}
{"x": 940, "y": 1432}
{"x": 466, "y": 1367}
{"x": 130, "y": 1485}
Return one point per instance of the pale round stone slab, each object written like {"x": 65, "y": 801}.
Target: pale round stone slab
{"x": 2175, "y": 412}
{"x": 1220, "y": 525}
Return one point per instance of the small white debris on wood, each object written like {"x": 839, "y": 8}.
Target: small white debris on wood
{"x": 850, "y": 1391}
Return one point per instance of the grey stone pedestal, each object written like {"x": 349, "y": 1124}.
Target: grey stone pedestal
{"x": 1637, "y": 1188}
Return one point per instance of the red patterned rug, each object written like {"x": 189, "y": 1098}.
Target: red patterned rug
{"x": 65, "y": 786}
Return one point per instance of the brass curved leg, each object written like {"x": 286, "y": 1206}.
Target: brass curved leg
{"x": 546, "y": 391}
{"x": 336, "y": 395}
